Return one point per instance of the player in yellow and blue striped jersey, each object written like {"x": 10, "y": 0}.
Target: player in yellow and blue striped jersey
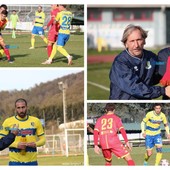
{"x": 151, "y": 131}
{"x": 23, "y": 151}
{"x": 38, "y": 27}
{"x": 64, "y": 19}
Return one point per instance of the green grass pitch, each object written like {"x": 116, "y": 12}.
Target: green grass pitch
{"x": 137, "y": 154}
{"x": 24, "y": 57}
{"x": 77, "y": 160}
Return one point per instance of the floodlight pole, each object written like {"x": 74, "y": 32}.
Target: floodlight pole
{"x": 63, "y": 87}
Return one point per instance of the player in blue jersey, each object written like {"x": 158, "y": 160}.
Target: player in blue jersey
{"x": 23, "y": 151}
{"x": 133, "y": 74}
{"x": 151, "y": 131}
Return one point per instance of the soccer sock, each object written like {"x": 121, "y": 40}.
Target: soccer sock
{"x": 108, "y": 164}
{"x": 13, "y": 34}
{"x": 62, "y": 51}
{"x": 1, "y": 52}
{"x": 32, "y": 42}
{"x": 158, "y": 158}
{"x": 53, "y": 53}
{"x": 45, "y": 40}
{"x": 130, "y": 162}
{"x": 146, "y": 157}
{"x": 49, "y": 49}
{"x": 6, "y": 51}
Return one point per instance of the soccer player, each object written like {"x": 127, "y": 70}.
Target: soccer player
{"x": 2, "y": 7}
{"x": 23, "y": 151}
{"x": 151, "y": 131}
{"x": 38, "y": 27}
{"x": 64, "y": 19}
{"x": 14, "y": 19}
{"x": 3, "y": 22}
{"x": 54, "y": 28}
{"x": 106, "y": 129}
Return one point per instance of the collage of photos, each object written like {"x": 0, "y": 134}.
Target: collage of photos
{"x": 128, "y": 85}
{"x": 84, "y": 84}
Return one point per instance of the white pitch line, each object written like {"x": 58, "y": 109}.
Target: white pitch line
{"x": 98, "y": 85}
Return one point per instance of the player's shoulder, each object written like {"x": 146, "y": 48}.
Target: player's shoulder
{"x": 34, "y": 118}
{"x": 10, "y": 119}
{"x": 164, "y": 51}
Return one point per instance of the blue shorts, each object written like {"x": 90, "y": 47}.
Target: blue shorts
{"x": 62, "y": 39}
{"x": 38, "y": 30}
{"x": 23, "y": 163}
{"x": 151, "y": 141}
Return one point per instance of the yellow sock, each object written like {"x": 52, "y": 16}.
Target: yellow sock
{"x": 87, "y": 160}
{"x": 1, "y": 53}
{"x": 53, "y": 53}
{"x": 32, "y": 42}
{"x": 45, "y": 40}
{"x": 146, "y": 157}
{"x": 158, "y": 158}
{"x": 62, "y": 51}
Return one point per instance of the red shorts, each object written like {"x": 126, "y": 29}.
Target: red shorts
{"x": 52, "y": 35}
{"x": 118, "y": 150}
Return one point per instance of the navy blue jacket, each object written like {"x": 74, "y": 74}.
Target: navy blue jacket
{"x": 132, "y": 78}
{"x": 6, "y": 141}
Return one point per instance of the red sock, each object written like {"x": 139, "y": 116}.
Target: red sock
{"x": 130, "y": 162}
{"x": 108, "y": 164}
{"x": 6, "y": 51}
{"x": 49, "y": 49}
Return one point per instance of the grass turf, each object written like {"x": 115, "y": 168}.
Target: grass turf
{"x": 24, "y": 57}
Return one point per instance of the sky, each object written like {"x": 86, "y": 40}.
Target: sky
{"x": 18, "y": 78}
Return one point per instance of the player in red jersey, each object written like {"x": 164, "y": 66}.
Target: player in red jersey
{"x": 54, "y": 27}
{"x": 106, "y": 129}
{"x": 3, "y": 22}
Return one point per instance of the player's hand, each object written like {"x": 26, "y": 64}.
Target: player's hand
{"x": 168, "y": 136}
{"x": 21, "y": 145}
{"x": 128, "y": 146}
{"x": 15, "y": 130}
{"x": 144, "y": 135}
{"x": 31, "y": 144}
{"x": 45, "y": 27}
{"x": 96, "y": 149}
{"x": 167, "y": 91}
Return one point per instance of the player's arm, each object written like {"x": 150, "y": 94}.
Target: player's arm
{"x": 165, "y": 81}
{"x": 8, "y": 139}
{"x": 96, "y": 135}
{"x": 166, "y": 126}
{"x": 143, "y": 129}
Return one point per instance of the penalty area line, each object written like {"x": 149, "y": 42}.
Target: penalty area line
{"x": 98, "y": 85}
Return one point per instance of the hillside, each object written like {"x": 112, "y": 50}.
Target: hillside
{"x": 45, "y": 100}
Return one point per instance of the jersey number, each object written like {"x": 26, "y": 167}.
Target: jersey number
{"x": 107, "y": 123}
{"x": 66, "y": 21}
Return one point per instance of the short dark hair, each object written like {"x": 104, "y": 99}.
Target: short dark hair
{"x": 4, "y": 12}
{"x": 64, "y": 5}
{"x": 157, "y": 104}
{"x": 4, "y": 6}
{"x": 21, "y": 100}
{"x": 110, "y": 107}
